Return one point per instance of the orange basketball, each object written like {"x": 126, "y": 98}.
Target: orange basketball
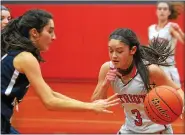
{"x": 163, "y": 105}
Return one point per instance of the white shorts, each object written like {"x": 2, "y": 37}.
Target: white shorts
{"x": 125, "y": 130}
{"x": 172, "y": 72}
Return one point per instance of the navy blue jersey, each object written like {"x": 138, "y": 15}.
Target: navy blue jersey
{"x": 14, "y": 84}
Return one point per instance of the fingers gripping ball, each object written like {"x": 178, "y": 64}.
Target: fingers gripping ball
{"x": 163, "y": 105}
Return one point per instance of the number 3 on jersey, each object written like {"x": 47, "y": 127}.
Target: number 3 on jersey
{"x": 138, "y": 121}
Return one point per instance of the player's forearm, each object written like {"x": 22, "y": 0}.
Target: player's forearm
{"x": 100, "y": 92}
{"x": 178, "y": 36}
{"x": 58, "y": 95}
{"x": 65, "y": 103}
{"x": 182, "y": 35}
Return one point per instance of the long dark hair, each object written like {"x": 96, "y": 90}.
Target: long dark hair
{"x": 15, "y": 36}
{"x": 156, "y": 53}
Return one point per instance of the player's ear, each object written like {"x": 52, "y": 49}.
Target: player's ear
{"x": 33, "y": 33}
{"x": 133, "y": 50}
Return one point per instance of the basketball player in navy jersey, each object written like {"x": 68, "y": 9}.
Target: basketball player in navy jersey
{"x": 21, "y": 42}
{"x": 167, "y": 11}
{"x": 132, "y": 71}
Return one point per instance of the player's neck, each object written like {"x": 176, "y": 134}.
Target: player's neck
{"x": 162, "y": 24}
{"x": 125, "y": 78}
{"x": 128, "y": 70}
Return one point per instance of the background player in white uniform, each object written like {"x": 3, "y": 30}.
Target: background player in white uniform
{"x": 169, "y": 31}
{"x": 131, "y": 78}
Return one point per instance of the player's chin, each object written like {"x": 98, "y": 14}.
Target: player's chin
{"x": 162, "y": 18}
{"x": 117, "y": 65}
{"x": 44, "y": 49}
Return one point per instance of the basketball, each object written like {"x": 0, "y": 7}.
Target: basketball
{"x": 163, "y": 105}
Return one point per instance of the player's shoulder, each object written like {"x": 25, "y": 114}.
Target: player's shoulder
{"x": 168, "y": 25}
{"x": 152, "y": 26}
{"x": 24, "y": 60}
{"x": 106, "y": 65}
{"x": 25, "y": 57}
{"x": 171, "y": 24}
{"x": 154, "y": 69}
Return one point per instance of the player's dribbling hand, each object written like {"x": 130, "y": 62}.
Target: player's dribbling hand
{"x": 110, "y": 76}
{"x": 102, "y": 104}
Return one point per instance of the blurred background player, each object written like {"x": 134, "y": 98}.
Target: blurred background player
{"x": 170, "y": 31}
{"x": 5, "y": 16}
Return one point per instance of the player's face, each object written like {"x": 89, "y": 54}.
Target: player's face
{"x": 163, "y": 11}
{"x": 120, "y": 54}
{"x": 5, "y": 18}
{"x": 45, "y": 38}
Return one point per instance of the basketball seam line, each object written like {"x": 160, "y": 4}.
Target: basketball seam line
{"x": 155, "y": 112}
{"x": 166, "y": 103}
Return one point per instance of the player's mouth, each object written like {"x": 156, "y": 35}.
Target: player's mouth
{"x": 115, "y": 61}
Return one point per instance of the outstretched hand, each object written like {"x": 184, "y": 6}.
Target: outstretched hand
{"x": 102, "y": 105}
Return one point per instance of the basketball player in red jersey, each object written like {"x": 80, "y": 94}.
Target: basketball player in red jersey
{"x": 132, "y": 71}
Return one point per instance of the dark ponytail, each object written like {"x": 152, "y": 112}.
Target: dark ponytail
{"x": 157, "y": 52}
{"x": 12, "y": 39}
{"x": 142, "y": 68}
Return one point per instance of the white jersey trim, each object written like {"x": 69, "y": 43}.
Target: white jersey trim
{"x": 4, "y": 57}
{"x": 12, "y": 83}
